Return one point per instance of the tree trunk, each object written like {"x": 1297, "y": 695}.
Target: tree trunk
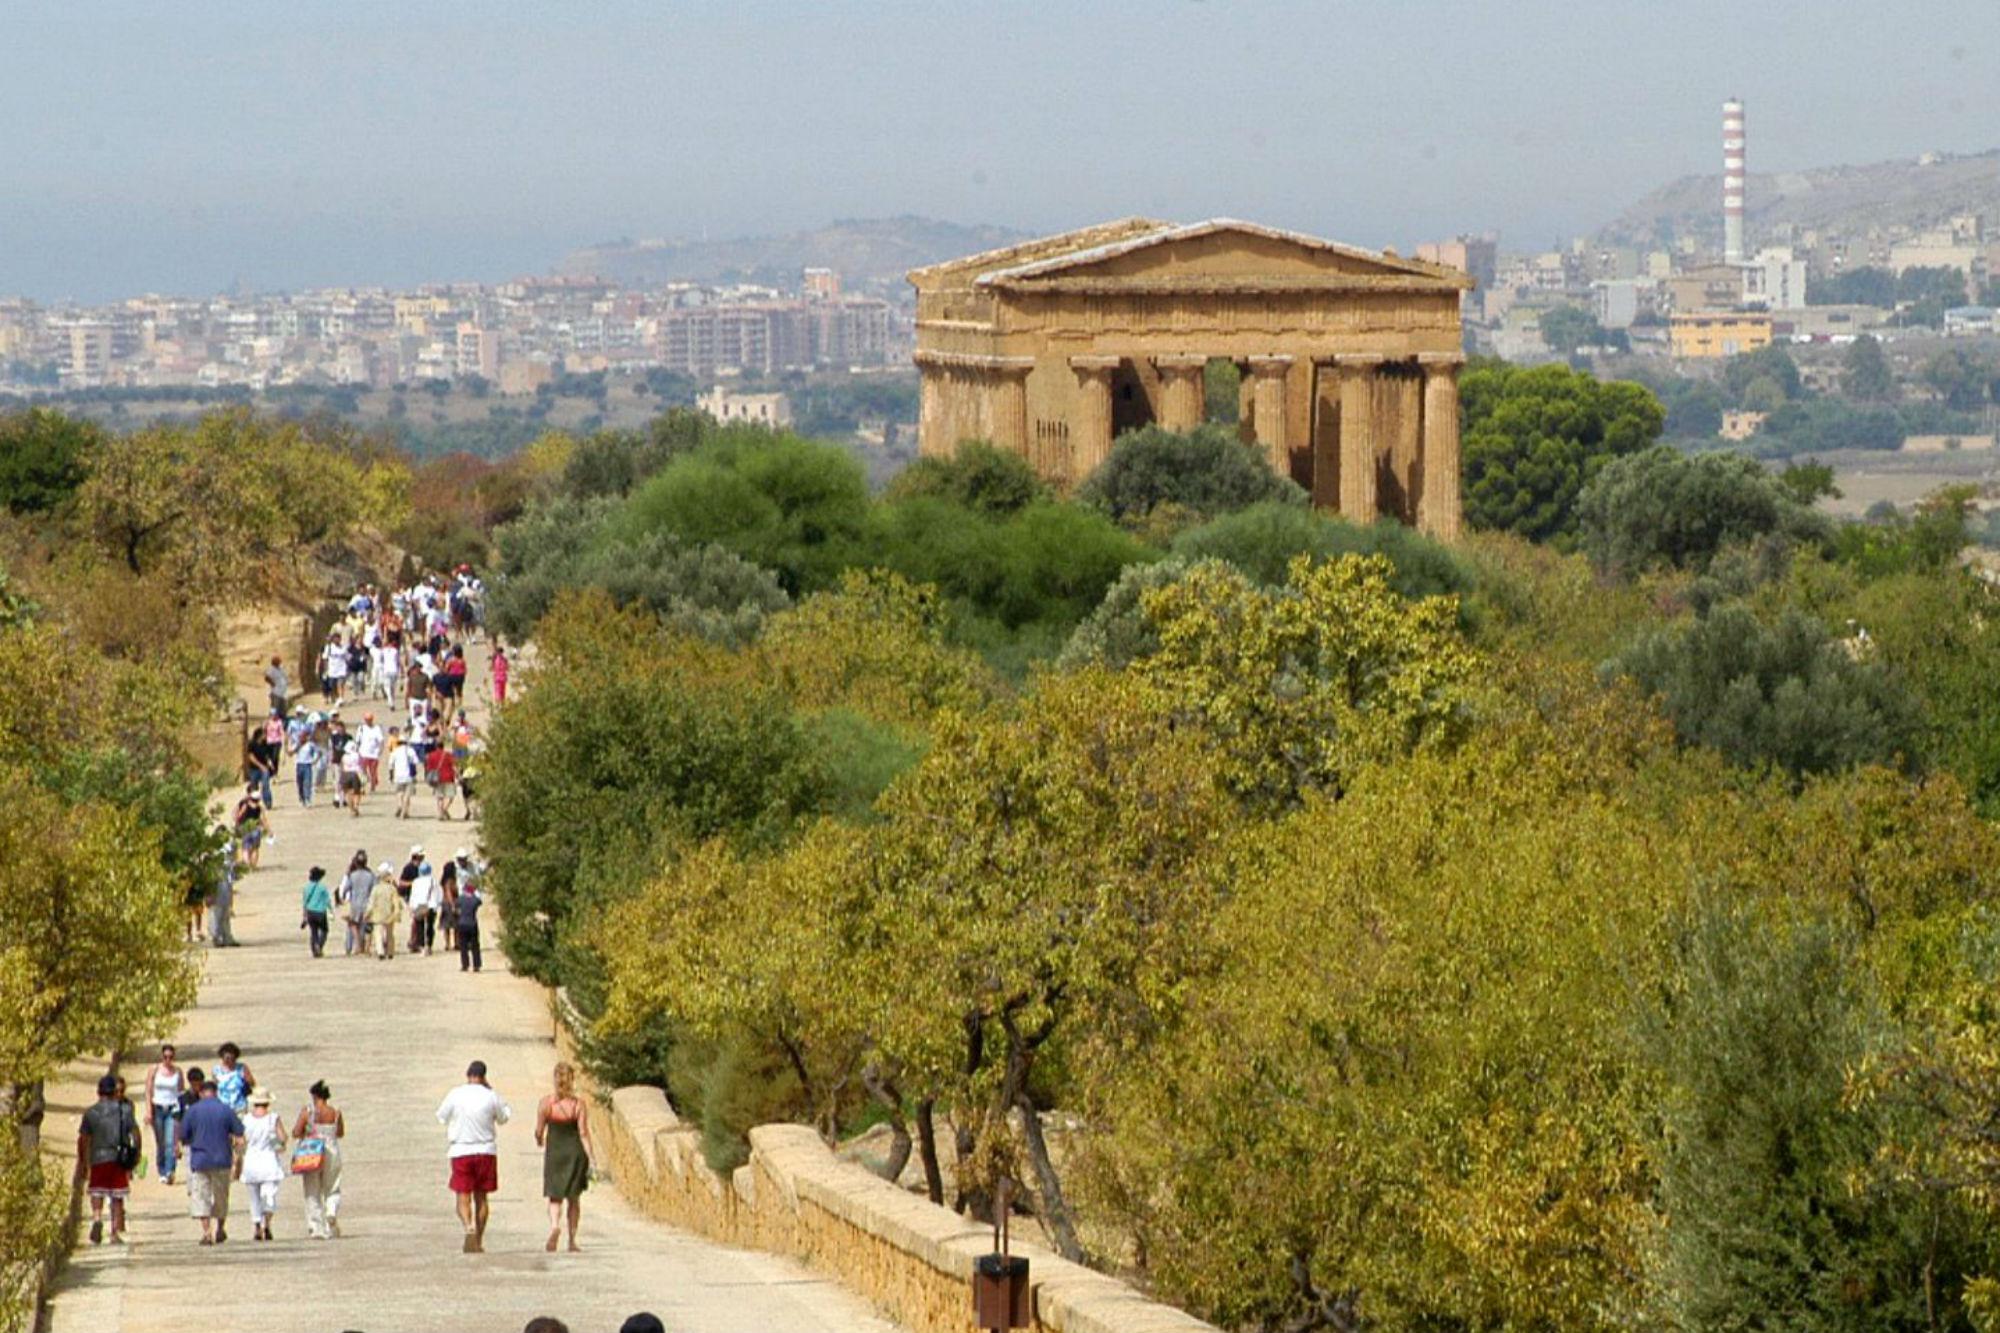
{"x": 1054, "y": 1208}
{"x": 927, "y": 1149}
{"x": 885, "y": 1093}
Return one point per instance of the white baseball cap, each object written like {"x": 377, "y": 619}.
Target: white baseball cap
{"x": 416, "y": 849}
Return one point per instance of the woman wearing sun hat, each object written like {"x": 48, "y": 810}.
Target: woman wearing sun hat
{"x": 263, "y": 1168}
{"x": 385, "y": 911}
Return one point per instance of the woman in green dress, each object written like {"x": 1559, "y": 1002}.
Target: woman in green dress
{"x": 562, "y": 1131}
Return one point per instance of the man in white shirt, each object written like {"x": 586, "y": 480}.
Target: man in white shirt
{"x": 472, "y": 1114}
{"x": 368, "y": 740}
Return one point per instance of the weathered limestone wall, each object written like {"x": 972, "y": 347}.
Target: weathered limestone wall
{"x": 794, "y": 1197}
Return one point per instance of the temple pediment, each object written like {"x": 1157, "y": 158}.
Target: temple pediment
{"x": 1222, "y": 253}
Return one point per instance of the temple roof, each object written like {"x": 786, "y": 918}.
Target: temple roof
{"x": 1070, "y": 254}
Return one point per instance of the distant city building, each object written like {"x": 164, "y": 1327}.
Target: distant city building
{"x": 1705, "y": 287}
{"x": 376, "y": 337}
{"x": 478, "y": 352}
{"x": 1717, "y": 333}
{"x": 1965, "y": 320}
{"x": 1738, "y": 426}
{"x": 1476, "y": 255}
{"x": 1616, "y": 303}
{"x": 759, "y": 409}
{"x": 89, "y": 360}
{"x": 1774, "y": 280}
{"x": 1942, "y": 247}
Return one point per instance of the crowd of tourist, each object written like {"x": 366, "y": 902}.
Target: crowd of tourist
{"x": 226, "y": 1130}
{"x": 401, "y": 660}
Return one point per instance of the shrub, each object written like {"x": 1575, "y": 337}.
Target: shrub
{"x": 1785, "y": 694}
{"x": 1263, "y": 540}
{"x": 1207, "y": 471}
{"x": 980, "y": 477}
{"x": 1664, "y": 507}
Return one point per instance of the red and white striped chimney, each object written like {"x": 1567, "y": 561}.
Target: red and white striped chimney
{"x": 1732, "y": 181}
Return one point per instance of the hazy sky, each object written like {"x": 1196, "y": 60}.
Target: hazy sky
{"x": 182, "y": 145}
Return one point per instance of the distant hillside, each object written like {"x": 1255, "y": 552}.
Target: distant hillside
{"x": 1848, "y": 199}
{"x": 869, "y": 253}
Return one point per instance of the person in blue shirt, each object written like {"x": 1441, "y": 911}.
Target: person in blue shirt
{"x": 212, "y": 1134}
{"x": 233, "y": 1080}
{"x": 317, "y": 903}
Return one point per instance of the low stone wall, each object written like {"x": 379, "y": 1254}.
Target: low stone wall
{"x": 912, "y": 1258}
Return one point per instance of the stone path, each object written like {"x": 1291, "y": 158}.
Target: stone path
{"x": 391, "y": 1039}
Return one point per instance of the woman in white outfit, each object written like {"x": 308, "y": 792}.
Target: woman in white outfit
{"x": 322, "y": 1120}
{"x": 263, "y": 1161}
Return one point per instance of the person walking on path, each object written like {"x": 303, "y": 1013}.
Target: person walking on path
{"x": 403, "y": 776}
{"x": 499, "y": 668}
{"x": 165, "y": 1084}
{"x": 316, "y": 903}
{"x": 263, "y": 1169}
{"x": 200, "y": 891}
{"x": 107, "y": 1148}
{"x": 305, "y": 763}
{"x": 385, "y": 912}
{"x": 352, "y": 780}
{"x": 448, "y": 905}
{"x": 562, "y": 1132}
{"x": 368, "y": 741}
{"x": 424, "y": 897}
{"x": 322, "y": 1123}
{"x": 466, "y": 911}
{"x": 260, "y": 761}
{"x": 279, "y": 685}
{"x": 357, "y": 889}
{"x": 213, "y": 1135}
{"x": 441, "y": 771}
{"x": 250, "y": 827}
{"x": 233, "y": 1080}
{"x": 472, "y": 1114}
{"x": 222, "y": 903}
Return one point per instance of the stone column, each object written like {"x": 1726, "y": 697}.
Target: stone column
{"x": 1269, "y": 374}
{"x": 1439, "y": 504}
{"x": 930, "y": 411}
{"x": 1183, "y": 391}
{"x": 1009, "y": 390}
{"x": 1357, "y": 438}
{"x": 1091, "y": 444}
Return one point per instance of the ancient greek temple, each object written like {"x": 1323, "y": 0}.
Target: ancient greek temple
{"x": 1348, "y": 358}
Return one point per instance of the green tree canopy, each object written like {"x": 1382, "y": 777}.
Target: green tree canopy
{"x": 43, "y": 458}
{"x": 1532, "y": 438}
{"x": 979, "y": 476}
{"x": 1784, "y": 694}
{"x": 1864, "y": 371}
{"x": 1205, "y": 471}
{"x": 793, "y": 506}
{"x": 571, "y": 544}
{"x": 1664, "y": 507}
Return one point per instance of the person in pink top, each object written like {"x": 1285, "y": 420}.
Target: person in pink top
{"x": 499, "y": 670}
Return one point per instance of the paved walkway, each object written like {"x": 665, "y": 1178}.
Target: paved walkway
{"x": 391, "y": 1039}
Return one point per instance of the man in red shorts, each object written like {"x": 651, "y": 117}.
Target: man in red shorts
{"x": 472, "y": 1114}
{"x": 106, "y": 1146}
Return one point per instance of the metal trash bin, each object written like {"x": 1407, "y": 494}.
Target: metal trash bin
{"x": 1000, "y": 1291}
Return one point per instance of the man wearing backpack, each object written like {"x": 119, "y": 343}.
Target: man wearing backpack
{"x": 107, "y": 1148}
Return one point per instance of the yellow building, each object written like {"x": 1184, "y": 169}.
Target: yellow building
{"x": 1712, "y": 333}
{"x": 1349, "y": 358}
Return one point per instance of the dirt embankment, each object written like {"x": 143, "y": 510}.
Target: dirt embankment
{"x": 290, "y": 624}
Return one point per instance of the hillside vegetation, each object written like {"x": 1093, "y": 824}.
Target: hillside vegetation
{"x": 1586, "y": 927}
